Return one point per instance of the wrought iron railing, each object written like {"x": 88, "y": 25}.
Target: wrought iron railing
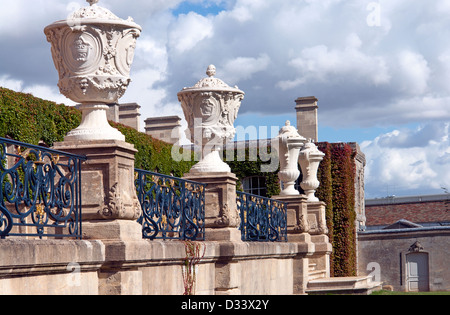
{"x": 262, "y": 219}
{"x": 172, "y": 208}
{"x": 40, "y": 191}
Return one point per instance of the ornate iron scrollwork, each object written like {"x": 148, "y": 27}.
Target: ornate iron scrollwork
{"x": 262, "y": 219}
{"x": 172, "y": 208}
{"x": 40, "y": 191}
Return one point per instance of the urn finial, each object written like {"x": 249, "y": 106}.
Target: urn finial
{"x": 211, "y": 71}
{"x": 92, "y": 2}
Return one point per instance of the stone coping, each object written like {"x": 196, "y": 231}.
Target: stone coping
{"x": 17, "y": 255}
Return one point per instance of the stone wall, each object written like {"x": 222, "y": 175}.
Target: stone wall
{"x": 383, "y": 253}
{"x": 55, "y": 267}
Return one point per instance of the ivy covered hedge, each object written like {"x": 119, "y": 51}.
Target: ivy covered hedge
{"x": 337, "y": 176}
{"x": 246, "y": 168}
{"x": 29, "y": 119}
{"x": 153, "y": 155}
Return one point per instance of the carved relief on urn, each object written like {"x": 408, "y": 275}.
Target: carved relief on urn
{"x": 210, "y": 108}
{"x": 309, "y": 159}
{"x": 289, "y": 146}
{"x": 93, "y": 50}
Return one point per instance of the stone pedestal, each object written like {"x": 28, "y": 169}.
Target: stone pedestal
{"x": 109, "y": 201}
{"x": 297, "y": 214}
{"x": 318, "y": 231}
{"x": 222, "y": 218}
{"x": 317, "y": 218}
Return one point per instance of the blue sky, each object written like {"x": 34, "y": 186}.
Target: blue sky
{"x": 380, "y": 69}
{"x": 204, "y": 9}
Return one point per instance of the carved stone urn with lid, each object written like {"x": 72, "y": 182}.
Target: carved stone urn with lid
{"x": 290, "y": 142}
{"x": 210, "y": 108}
{"x": 93, "y": 50}
{"x": 309, "y": 159}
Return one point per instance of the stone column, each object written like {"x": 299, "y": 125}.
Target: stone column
{"x": 298, "y": 232}
{"x": 307, "y": 121}
{"x": 222, "y": 217}
{"x": 318, "y": 231}
{"x": 109, "y": 201}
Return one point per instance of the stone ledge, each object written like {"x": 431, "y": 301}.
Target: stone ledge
{"x": 19, "y": 257}
{"x": 249, "y": 250}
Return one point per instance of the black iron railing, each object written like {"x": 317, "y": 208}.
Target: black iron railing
{"x": 40, "y": 191}
{"x": 262, "y": 219}
{"x": 172, "y": 208}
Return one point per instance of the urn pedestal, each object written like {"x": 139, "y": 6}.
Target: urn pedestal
{"x": 222, "y": 218}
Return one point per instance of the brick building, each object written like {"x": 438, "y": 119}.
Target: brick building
{"x": 423, "y": 210}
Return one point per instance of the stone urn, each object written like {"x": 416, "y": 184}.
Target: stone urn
{"x": 210, "y": 108}
{"x": 93, "y": 51}
{"x": 309, "y": 159}
{"x": 289, "y": 145}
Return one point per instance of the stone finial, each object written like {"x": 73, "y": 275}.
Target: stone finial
{"x": 92, "y": 2}
{"x": 211, "y": 71}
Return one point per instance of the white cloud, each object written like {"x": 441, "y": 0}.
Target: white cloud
{"x": 189, "y": 30}
{"x": 408, "y": 161}
{"x": 322, "y": 64}
{"x": 243, "y": 68}
{"x": 12, "y": 84}
{"x": 246, "y": 10}
{"x": 414, "y": 71}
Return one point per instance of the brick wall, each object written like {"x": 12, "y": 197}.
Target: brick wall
{"x": 417, "y": 212}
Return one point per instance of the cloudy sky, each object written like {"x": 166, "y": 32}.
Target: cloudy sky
{"x": 380, "y": 69}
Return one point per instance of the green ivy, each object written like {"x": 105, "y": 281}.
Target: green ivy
{"x": 29, "y": 119}
{"x": 245, "y": 168}
{"x": 325, "y": 191}
{"x": 154, "y": 155}
{"x": 337, "y": 190}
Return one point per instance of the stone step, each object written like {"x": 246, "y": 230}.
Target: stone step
{"x": 312, "y": 267}
{"x": 343, "y": 285}
{"x": 317, "y": 274}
